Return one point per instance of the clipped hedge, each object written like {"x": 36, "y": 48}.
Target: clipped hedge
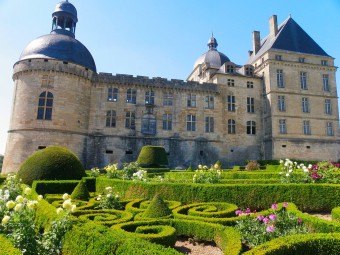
{"x": 308, "y": 197}
{"x": 306, "y": 244}
{"x": 52, "y": 163}
{"x": 81, "y": 192}
{"x": 104, "y": 216}
{"x": 152, "y": 156}
{"x": 7, "y": 247}
{"x": 336, "y": 214}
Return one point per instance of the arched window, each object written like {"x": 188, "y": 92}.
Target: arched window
{"x": 251, "y": 127}
{"x": 45, "y": 106}
{"x": 231, "y": 126}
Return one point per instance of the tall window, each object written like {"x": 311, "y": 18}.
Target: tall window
{"x": 209, "y": 124}
{"x": 303, "y": 80}
{"x": 231, "y": 83}
{"x": 325, "y": 82}
{"x": 231, "y": 103}
{"x": 191, "y": 100}
{"x": 328, "y": 106}
{"x": 191, "y": 122}
{"x": 329, "y": 129}
{"x": 112, "y": 94}
{"x": 111, "y": 118}
{"x": 281, "y": 103}
{"x": 167, "y": 99}
{"x": 131, "y": 96}
{"x": 149, "y": 124}
{"x": 45, "y": 106}
{"x": 279, "y": 78}
{"x": 282, "y": 126}
{"x": 167, "y": 121}
{"x": 250, "y": 104}
{"x": 150, "y": 97}
{"x": 251, "y": 127}
{"x": 231, "y": 126}
{"x": 306, "y": 127}
{"x": 130, "y": 120}
{"x": 305, "y": 104}
{"x": 209, "y": 102}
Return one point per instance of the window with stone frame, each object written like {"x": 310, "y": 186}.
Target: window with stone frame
{"x": 47, "y": 81}
{"x": 167, "y": 99}
{"x": 279, "y": 78}
{"x": 251, "y": 127}
{"x": 131, "y": 96}
{"x": 191, "y": 100}
{"x": 230, "y": 68}
{"x": 303, "y": 80}
{"x": 250, "y": 84}
{"x": 112, "y": 94}
{"x": 130, "y": 119}
{"x": 209, "y": 124}
{"x": 149, "y": 124}
{"x": 231, "y": 126}
{"x": 281, "y": 103}
{"x": 306, "y": 127}
{"x": 305, "y": 104}
{"x": 282, "y": 126}
{"x": 250, "y": 105}
{"x": 111, "y": 118}
{"x": 324, "y": 62}
{"x": 328, "y": 107}
{"x": 150, "y": 97}
{"x": 45, "y": 106}
{"x": 325, "y": 82}
{"x": 209, "y": 102}
{"x": 231, "y": 82}
{"x": 249, "y": 71}
{"x": 167, "y": 121}
{"x": 191, "y": 122}
{"x": 329, "y": 129}
{"x": 231, "y": 103}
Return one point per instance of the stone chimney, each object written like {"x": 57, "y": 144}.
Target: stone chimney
{"x": 273, "y": 26}
{"x": 256, "y": 42}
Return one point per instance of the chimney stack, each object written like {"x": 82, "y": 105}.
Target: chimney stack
{"x": 256, "y": 42}
{"x": 273, "y": 26}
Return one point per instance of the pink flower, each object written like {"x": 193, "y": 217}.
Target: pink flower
{"x": 299, "y": 220}
{"x": 247, "y": 210}
{"x": 260, "y": 217}
{"x": 238, "y": 212}
{"x": 272, "y": 217}
{"x": 285, "y": 204}
{"x": 274, "y": 206}
{"x": 265, "y": 220}
{"x": 270, "y": 228}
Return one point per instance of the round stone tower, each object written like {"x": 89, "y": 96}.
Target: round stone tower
{"x": 52, "y": 87}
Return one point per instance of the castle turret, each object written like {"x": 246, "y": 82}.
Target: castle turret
{"x": 52, "y": 84}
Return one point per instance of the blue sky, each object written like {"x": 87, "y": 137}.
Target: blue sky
{"x": 158, "y": 38}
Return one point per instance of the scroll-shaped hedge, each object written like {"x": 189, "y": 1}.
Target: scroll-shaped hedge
{"x": 139, "y": 205}
{"x": 81, "y": 205}
{"x": 306, "y": 244}
{"x": 336, "y": 213}
{"x": 105, "y": 217}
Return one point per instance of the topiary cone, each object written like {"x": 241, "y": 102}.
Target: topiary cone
{"x": 81, "y": 192}
{"x": 157, "y": 209}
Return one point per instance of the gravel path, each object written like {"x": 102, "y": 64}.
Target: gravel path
{"x": 188, "y": 246}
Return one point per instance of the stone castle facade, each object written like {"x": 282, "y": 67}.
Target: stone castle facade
{"x": 281, "y": 104}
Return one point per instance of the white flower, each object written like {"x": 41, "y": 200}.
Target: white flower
{"x": 73, "y": 208}
{"x": 287, "y": 175}
{"x": 99, "y": 198}
{"x": 281, "y": 161}
{"x": 108, "y": 195}
{"x": 109, "y": 189}
{"x": 290, "y": 170}
{"x": 116, "y": 196}
{"x": 59, "y": 210}
{"x": 280, "y": 173}
{"x": 199, "y": 166}
{"x": 32, "y": 204}
{"x": 67, "y": 204}
{"x": 5, "y": 220}
{"x": 66, "y": 196}
{"x": 19, "y": 199}
{"x": 18, "y": 207}
{"x": 40, "y": 197}
{"x": 10, "y": 204}
{"x": 27, "y": 191}
{"x": 309, "y": 166}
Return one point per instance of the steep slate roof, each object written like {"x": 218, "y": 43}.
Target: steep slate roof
{"x": 290, "y": 37}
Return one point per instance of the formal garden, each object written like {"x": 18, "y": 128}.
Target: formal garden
{"x": 53, "y": 206}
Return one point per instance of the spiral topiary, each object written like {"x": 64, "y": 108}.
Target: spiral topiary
{"x": 51, "y": 163}
{"x": 152, "y": 156}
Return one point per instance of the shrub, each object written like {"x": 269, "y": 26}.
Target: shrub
{"x": 252, "y": 165}
{"x": 129, "y": 169}
{"x": 157, "y": 208}
{"x": 81, "y": 192}
{"x": 109, "y": 200}
{"x": 52, "y": 163}
{"x": 207, "y": 175}
{"x": 152, "y": 156}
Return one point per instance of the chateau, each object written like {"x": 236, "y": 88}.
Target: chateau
{"x": 281, "y": 104}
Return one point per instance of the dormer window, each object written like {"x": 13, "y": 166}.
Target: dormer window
{"x": 249, "y": 70}
{"x": 230, "y": 69}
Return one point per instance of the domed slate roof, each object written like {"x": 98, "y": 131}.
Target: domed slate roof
{"x": 59, "y": 47}
{"x": 61, "y": 43}
{"x": 212, "y": 57}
